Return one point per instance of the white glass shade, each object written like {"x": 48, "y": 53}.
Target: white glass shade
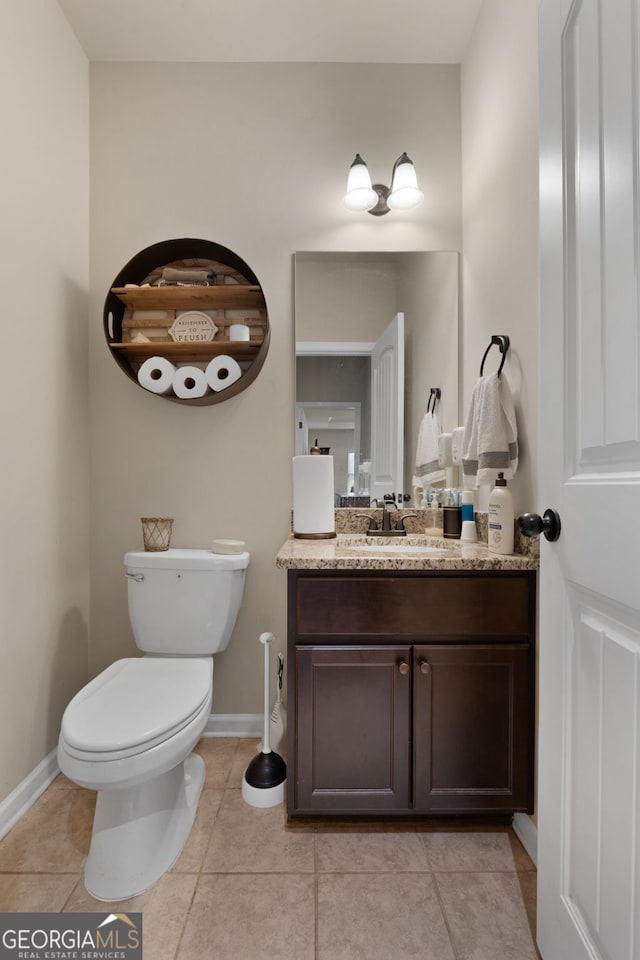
{"x": 405, "y": 192}
{"x": 360, "y": 195}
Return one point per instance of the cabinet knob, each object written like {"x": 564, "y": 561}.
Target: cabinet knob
{"x": 403, "y": 667}
{"x": 425, "y": 667}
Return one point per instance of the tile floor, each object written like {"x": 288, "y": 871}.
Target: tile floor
{"x": 247, "y": 887}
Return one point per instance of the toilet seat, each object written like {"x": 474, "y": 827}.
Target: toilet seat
{"x": 135, "y": 704}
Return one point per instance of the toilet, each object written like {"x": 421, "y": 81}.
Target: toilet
{"x": 129, "y": 733}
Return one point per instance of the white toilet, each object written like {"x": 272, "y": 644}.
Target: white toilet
{"x": 129, "y": 733}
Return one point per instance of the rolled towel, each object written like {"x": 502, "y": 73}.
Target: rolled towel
{"x": 457, "y": 438}
{"x": 180, "y": 275}
{"x": 444, "y": 450}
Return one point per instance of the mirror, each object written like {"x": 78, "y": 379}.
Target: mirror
{"x": 345, "y": 304}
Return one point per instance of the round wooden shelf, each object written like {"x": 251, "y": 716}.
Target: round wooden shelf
{"x": 137, "y": 318}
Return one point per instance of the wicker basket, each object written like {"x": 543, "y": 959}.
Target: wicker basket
{"x": 156, "y": 533}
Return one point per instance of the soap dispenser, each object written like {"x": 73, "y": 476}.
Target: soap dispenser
{"x": 501, "y": 518}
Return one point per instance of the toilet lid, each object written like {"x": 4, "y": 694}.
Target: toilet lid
{"x": 136, "y": 702}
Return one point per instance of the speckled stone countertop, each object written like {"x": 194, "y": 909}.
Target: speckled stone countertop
{"x": 413, "y": 552}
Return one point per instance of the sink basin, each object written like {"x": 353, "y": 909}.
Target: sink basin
{"x": 400, "y": 548}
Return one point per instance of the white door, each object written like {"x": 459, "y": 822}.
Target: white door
{"x": 589, "y": 468}
{"x": 387, "y": 410}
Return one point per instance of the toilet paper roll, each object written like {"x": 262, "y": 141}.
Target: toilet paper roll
{"x": 156, "y": 374}
{"x": 444, "y": 450}
{"x": 189, "y": 383}
{"x": 221, "y": 372}
{"x": 313, "y": 497}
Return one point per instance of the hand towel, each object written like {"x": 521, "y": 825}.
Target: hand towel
{"x": 490, "y": 444}
{"x": 444, "y": 450}
{"x": 457, "y": 438}
{"x": 428, "y": 470}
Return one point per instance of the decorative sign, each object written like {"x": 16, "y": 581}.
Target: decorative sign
{"x": 193, "y": 326}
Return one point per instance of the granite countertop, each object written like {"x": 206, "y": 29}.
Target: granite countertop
{"x": 413, "y": 552}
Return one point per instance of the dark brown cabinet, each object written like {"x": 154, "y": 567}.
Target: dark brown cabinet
{"x": 410, "y": 693}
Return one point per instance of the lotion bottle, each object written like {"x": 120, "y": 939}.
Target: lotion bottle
{"x": 501, "y": 518}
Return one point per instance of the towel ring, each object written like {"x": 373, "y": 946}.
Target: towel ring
{"x": 435, "y": 393}
{"x": 501, "y": 341}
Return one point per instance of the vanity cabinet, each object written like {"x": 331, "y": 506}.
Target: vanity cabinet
{"x": 411, "y": 693}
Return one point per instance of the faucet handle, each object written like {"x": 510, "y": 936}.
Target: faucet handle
{"x": 373, "y": 523}
{"x": 400, "y": 524}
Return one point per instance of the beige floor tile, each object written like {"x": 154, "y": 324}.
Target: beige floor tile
{"x": 247, "y": 749}
{"x": 373, "y": 917}
{"x": 521, "y": 858}
{"x": 194, "y": 850}
{"x": 62, "y": 783}
{"x": 364, "y": 852}
{"x": 468, "y": 851}
{"x": 486, "y": 916}
{"x": 254, "y": 840}
{"x": 528, "y": 881}
{"x": 164, "y": 911}
{"x": 35, "y": 893}
{"x": 251, "y": 918}
{"x": 218, "y": 754}
{"x": 53, "y": 836}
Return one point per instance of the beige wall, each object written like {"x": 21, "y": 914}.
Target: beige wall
{"x": 499, "y": 82}
{"x": 254, "y": 157}
{"x": 44, "y": 250}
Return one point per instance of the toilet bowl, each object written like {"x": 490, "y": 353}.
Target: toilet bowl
{"x": 130, "y": 731}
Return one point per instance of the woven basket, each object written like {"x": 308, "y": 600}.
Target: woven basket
{"x": 156, "y": 533}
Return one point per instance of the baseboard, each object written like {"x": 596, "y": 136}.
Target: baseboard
{"x": 527, "y": 833}
{"x": 26, "y": 793}
{"x": 234, "y": 725}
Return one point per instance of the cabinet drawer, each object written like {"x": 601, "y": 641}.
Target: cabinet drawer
{"x": 451, "y": 606}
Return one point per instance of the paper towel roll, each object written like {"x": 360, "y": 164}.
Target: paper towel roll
{"x": 457, "y": 438}
{"x": 189, "y": 383}
{"x": 221, "y": 372}
{"x": 156, "y": 374}
{"x": 313, "y": 497}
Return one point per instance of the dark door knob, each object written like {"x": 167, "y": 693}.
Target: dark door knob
{"x": 532, "y": 524}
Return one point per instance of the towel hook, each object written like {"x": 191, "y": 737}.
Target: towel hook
{"x": 500, "y": 340}
{"x": 435, "y": 393}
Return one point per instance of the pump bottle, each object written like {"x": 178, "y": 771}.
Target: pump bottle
{"x": 501, "y": 518}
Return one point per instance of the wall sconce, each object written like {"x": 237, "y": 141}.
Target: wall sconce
{"x": 378, "y": 199}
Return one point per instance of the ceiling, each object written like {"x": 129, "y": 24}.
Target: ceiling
{"x": 338, "y": 31}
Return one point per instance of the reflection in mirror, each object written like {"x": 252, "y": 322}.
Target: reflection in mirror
{"x": 345, "y": 303}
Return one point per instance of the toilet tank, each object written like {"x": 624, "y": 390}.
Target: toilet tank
{"x": 184, "y": 602}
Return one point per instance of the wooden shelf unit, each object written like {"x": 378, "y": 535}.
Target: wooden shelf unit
{"x": 138, "y": 315}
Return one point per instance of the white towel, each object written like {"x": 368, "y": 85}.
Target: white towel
{"x": 490, "y": 444}
{"x": 444, "y": 450}
{"x": 428, "y": 470}
{"x": 457, "y": 438}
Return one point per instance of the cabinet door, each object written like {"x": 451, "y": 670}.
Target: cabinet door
{"x": 352, "y": 748}
{"x": 473, "y": 734}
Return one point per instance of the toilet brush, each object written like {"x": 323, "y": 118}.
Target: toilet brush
{"x": 264, "y": 778}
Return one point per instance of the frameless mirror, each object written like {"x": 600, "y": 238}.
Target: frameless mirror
{"x": 375, "y": 332}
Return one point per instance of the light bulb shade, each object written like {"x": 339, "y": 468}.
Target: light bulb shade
{"x": 360, "y": 195}
{"x": 405, "y": 192}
